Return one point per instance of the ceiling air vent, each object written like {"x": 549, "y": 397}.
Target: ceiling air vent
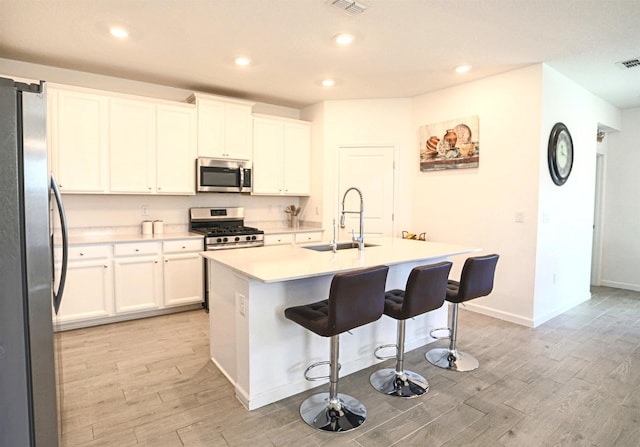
{"x": 631, "y": 63}
{"x": 351, "y": 8}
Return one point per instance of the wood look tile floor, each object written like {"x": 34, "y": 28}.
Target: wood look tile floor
{"x": 574, "y": 381}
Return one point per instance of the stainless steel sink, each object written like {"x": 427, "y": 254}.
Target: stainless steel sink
{"x": 341, "y": 246}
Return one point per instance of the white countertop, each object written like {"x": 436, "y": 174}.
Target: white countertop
{"x": 289, "y": 262}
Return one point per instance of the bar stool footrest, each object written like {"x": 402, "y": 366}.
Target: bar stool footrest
{"x": 315, "y": 365}
{"x": 440, "y": 337}
{"x": 386, "y": 357}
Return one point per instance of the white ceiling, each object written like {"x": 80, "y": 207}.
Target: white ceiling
{"x": 403, "y": 48}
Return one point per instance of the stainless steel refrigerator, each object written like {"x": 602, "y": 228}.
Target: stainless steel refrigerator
{"x": 29, "y": 401}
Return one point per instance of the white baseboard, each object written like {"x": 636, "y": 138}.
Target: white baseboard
{"x": 499, "y": 314}
{"x": 620, "y": 285}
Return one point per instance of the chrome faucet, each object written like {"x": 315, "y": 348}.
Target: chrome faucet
{"x": 358, "y": 240}
{"x": 334, "y": 244}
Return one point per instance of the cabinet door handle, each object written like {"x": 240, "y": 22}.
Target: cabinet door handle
{"x": 106, "y": 266}
{"x": 166, "y": 261}
{"x": 81, "y": 254}
{"x": 137, "y": 249}
{"x": 156, "y": 261}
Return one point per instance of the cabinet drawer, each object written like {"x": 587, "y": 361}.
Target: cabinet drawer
{"x": 81, "y": 252}
{"x": 185, "y": 245}
{"x": 303, "y": 238}
{"x": 278, "y": 239}
{"x": 136, "y": 248}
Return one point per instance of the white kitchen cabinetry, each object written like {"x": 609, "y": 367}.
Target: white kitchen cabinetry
{"x": 132, "y": 143}
{"x": 278, "y": 239}
{"x": 304, "y": 237}
{"x": 175, "y": 149}
{"x": 88, "y": 292}
{"x": 78, "y": 128}
{"x": 224, "y": 127}
{"x": 137, "y": 276}
{"x": 308, "y": 237}
{"x": 183, "y": 272}
{"x": 281, "y": 156}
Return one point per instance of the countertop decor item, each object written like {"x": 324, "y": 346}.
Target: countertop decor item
{"x": 560, "y": 154}
{"x": 293, "y": 212}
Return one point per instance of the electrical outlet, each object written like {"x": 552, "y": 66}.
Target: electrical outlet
{"x": 145, "y": 210}
{"x": 241, "y": 305}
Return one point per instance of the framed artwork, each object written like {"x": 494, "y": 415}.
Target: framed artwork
{"x": 450, "y": 144}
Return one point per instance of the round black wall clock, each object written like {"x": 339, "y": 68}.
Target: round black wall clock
{"x": 560, "y": 154}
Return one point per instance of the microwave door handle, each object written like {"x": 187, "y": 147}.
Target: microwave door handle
{"x": 241, "y": 179}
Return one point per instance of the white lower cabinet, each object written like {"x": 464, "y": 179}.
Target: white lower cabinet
{"x": 88, "y": 292}
{"x": 308, "y": 237}
{"x": 278, "y": 239}
{"x": 114, "y": 282}
{"x": 183, "y": 273}
{"x": 137, "y": 281}
{"x": 293, "y": 238}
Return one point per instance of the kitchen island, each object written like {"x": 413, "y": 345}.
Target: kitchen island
{"x": 262, "y": 353}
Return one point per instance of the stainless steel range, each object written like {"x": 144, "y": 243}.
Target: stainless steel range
{"x": 224, "y": 228}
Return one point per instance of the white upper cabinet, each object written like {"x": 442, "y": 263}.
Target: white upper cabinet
{"x": 104, "y": 142}
{"x": 78, "y": 127}
{"x": 132, "y": 144}
{"x": 224, "y": 127}
{"x": 281, "y": 156}
{"x": 175, "y": 149}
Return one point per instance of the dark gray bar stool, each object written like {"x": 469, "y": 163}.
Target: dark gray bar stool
{"x": 425, "y": 291}
{"x": 356, "y": 298}
{"x": 476, "y": 280}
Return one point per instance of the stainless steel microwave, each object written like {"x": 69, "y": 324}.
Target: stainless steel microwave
{"x": 223, "y": 175}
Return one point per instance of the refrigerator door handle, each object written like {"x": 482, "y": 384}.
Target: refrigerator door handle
{"x": 57, "y": 295}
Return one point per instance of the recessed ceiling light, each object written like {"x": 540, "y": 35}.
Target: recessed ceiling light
{"x": 242, "y": 60}
{"x": 328, "y": 83}
{"x": 118, "y": 32}
{"x": 463, "y": 68}
{"x": 343, "y": 39}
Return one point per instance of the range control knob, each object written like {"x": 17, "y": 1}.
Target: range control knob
{"x": 248, "y": 238}
{"x": 253, "y": 238}
{"x": 224, "y": 239}
{"x": 219, "y": 240}
{"x": 237, "y": 239}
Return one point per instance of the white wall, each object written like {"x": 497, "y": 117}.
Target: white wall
{"x": 362, "y": 122}
{"x": 477, "y": 207}
{"x": 621, "y": 252}
{"x": 544, "y": 266}
{"x": 565, "y": 219}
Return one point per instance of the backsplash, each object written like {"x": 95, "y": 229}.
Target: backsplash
{"x": 123, "y": 214}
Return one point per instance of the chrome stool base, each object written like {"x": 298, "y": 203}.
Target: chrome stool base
{"x": 406, "y": 384}
{"x": 347, "y": 413}
{"x": 452, "y": 359}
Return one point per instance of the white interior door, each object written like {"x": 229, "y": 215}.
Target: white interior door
{"x": 371, "y": 170}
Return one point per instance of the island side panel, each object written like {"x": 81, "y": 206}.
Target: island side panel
{"x": 276, "y": 351}
{"x": 222, "y": 319}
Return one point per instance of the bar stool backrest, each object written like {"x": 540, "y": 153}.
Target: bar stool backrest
{"x": 356, "y": 298}
{"x": 426, "y": 289}
{"x": 476, "y": 279}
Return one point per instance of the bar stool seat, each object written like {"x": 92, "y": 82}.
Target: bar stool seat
{"x": 355, "y": 298}
{"x": 476, "y": 280}
{"x": 425, "y": 291}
